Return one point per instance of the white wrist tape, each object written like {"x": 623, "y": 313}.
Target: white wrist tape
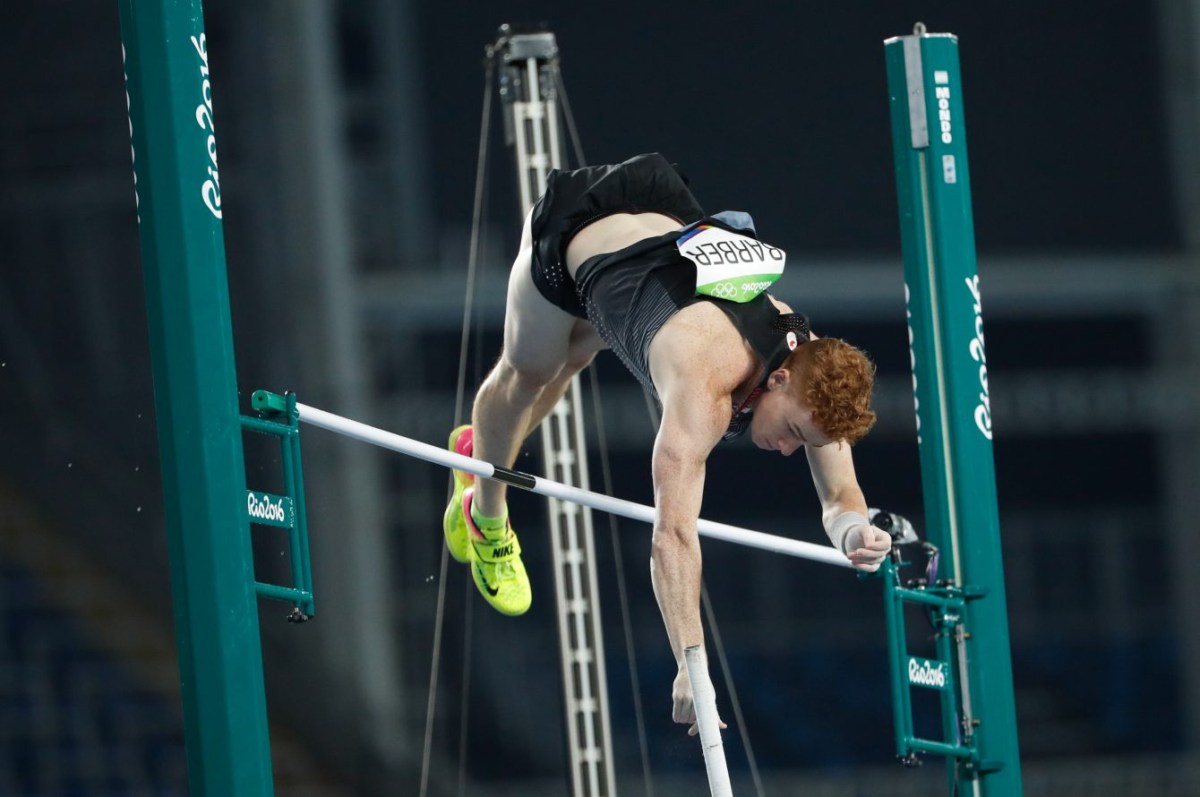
{"x": 841, "y": 525}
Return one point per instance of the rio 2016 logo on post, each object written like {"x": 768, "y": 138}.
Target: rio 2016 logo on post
{"x": 265, "y": 509}
{"x": 912, "y": 358}
{"x": 924, "y": 672}
{"x": 137, "y": 204}
{"x": 210, "y": 189}
{"x": 983, "y": 410}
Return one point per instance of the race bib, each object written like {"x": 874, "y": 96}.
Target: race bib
{"x": 729, "y": 265}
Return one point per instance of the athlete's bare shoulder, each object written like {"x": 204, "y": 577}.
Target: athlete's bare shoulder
{"x": 700, "y": 347}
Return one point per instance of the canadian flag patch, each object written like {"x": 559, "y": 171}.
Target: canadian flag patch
{"x": 791, "y": 341}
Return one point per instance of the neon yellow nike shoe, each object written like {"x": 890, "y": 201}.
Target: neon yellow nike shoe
{"x": 462, "y": 441}
{"x": 496, "y": 565}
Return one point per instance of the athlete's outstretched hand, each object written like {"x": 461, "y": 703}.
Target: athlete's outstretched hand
{"x": 684, "y": 710}
{"x": 866, "y": 547}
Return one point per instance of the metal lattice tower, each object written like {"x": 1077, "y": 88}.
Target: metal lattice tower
{"x": 528, "y": 77}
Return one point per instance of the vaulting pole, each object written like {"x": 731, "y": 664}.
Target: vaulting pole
{"x": 708, "y": 723}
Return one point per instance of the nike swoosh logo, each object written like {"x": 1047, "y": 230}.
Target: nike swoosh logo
{"x": 493, "y": 591}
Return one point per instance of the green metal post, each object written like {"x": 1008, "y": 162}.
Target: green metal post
{"x": 897, "y": 656}
{"x": 951, "y": 386}
{"x": 191, "y": 346}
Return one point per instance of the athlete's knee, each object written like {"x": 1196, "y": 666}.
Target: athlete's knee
{"x": 578, "y": 359}
{"x": 522, "y": 379}
{"x": 585, "y": 344}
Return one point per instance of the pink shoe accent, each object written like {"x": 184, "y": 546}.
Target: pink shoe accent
{"x": 465, "y": 443}
{"x": 472, "y": 529}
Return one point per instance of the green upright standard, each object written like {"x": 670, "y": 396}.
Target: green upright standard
{"x": 195, "y": 393}
{"x": 951, "y": 385}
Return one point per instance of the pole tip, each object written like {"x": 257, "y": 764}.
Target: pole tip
{"x": 919, "y": 29}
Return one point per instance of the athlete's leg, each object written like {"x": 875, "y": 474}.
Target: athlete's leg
{"x": 537, "y": 347}
{"x": 537, "y": 343}
{"x": 585, "y": 343}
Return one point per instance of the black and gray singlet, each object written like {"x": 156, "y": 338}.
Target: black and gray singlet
{"x": 631, "y": 293}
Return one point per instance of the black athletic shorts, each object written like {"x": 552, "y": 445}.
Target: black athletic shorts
{"x": 573, "y": 199}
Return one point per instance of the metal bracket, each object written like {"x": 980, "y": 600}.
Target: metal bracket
{"x": 945, "y": 605}
{"x": 277, "y": 416}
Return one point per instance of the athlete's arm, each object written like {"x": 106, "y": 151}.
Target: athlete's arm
{"x": 690, "y": 428}
{"x": 692, "y": 424}
{"x": 843, "y": 507}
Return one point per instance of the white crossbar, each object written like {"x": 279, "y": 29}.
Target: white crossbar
{"x": 541, "y": 486}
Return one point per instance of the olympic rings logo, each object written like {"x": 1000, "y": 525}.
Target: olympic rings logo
{"x": 725, "y": 290}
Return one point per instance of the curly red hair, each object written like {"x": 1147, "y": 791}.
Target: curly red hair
{"x": 835, "y": 380}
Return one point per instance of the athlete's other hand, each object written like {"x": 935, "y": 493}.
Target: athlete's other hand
{"x": 867, "y": 546}
{"x": 684, "y": 710}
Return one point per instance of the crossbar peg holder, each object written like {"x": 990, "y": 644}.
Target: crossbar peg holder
{"x": 278, "y": 417}
{"x": 945, "y": 603}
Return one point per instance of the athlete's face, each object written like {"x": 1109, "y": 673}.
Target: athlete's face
{"x": 781, "y": 421}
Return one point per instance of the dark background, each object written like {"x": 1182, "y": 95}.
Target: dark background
{"x": 1081, "y": 170}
